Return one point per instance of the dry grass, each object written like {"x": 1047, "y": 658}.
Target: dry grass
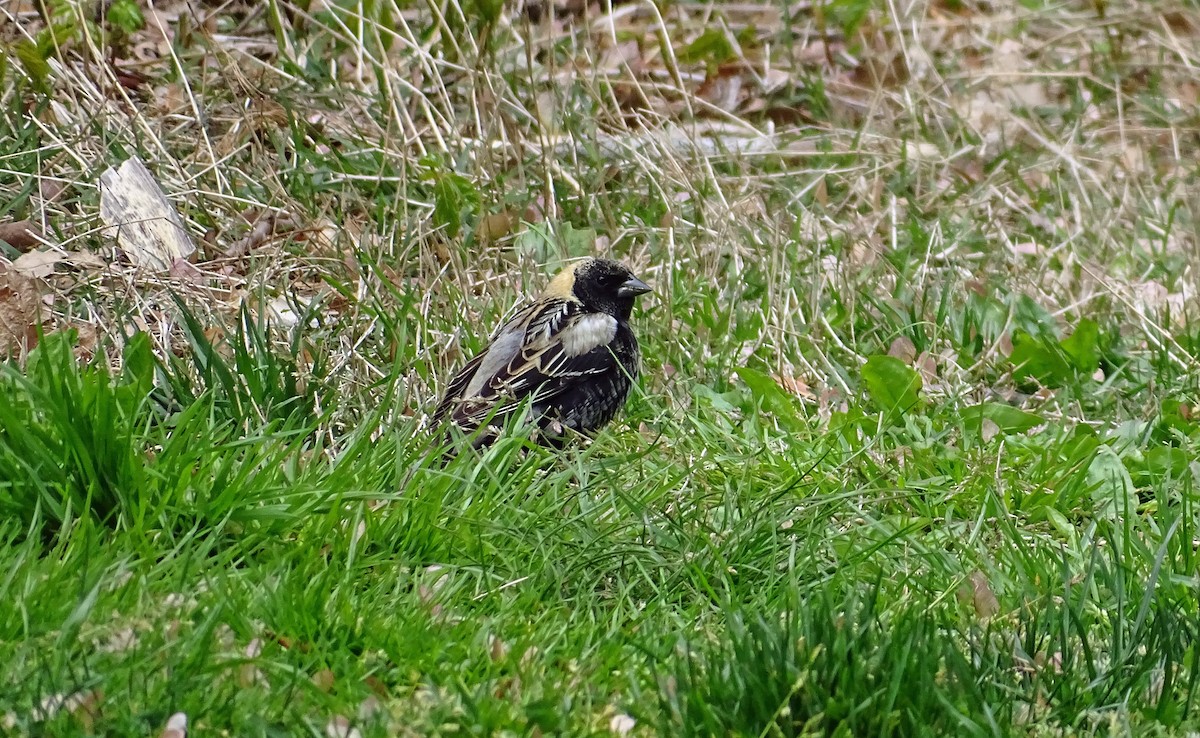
{"x": 804, "y": 188}
{"x": 1050, "y": 148}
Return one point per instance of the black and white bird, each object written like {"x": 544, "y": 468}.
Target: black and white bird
{"x": 570, "y": 357}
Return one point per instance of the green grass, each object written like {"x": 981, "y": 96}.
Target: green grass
{"x": 914, "y": 448}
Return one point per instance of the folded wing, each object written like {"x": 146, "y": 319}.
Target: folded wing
{"x": 537, "y": 354}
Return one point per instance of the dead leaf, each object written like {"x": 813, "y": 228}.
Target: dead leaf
{"x": 903, "y": 349}
{"x": 20, "y": 312}
{"x": 978, "y": 592}
{"x": 1015, "y": 74}
{"x": 921, "y": 151}
{"x": 795, "y": 386}
{"x": 148, "y": 227}
{"x": 186, "y": 271}
{"x": 323, "y": 680}
{"x": 121, "y": 641}
{"x": 339, "y": 727}
{"x": 38, "y": 264}
{"x": 84, "y": 706}
{"x": 616, "y": 57}
{"x": 495, "y": 226}
{"x": 988, "y": 430}
{"x": 51, "y": 189}
{"x": 724, "y": 89}
{"x": 369, "y": 708}
{"x": 262, "y": 227}
{"x": 84, "y": 260}
{"x": 926, "y": 366}
{"x": 283, "y": 313}
{"x": 497, "y": 649}
{"x": 376, "y": 685}
{"x": 22, "y": 235}
{"x": 176, "y": 727}
{"x": 248, "y": 674}
{"x": 621, "y": 724}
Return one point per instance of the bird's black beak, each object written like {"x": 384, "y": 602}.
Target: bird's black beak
{"x": 633, "y": 287}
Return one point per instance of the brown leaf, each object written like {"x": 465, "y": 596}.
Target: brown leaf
{"x": 84, "y": 706}
{"x": 20, "y": 312}
{"x": 903, "y": 349}
{"x": 621, "y": 724}
{"x": 369, "y": 708}
{"x": 926, "y": 366}
{"x": 495, "y": 226}
{"x": 376, "y": 685}
{"x": 795, "y": 386}
{"x": 88, "y": 338}
{"x": 264, "y": 226}
{"x": 723, "y": 90}
{"x": 248, "y": 674}
{"x": 615, "y": 58}
{"x": 497, "y": 649}
{"x": 186, "y": 271}
{"x": 176, "y": 727}
{"x": 51, "y": 189}
{"x": 22, "y": 235}
{"x": 339, "y": 726}
{"x": 323, "y": 680}
{"x": 981, "y": 595}
{"x": 38, "y": 264}
{"x": 821, "y": 193}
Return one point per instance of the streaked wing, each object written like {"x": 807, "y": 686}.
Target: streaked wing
{"x": 560, "y": 342}
{"x": 487, "y": 363}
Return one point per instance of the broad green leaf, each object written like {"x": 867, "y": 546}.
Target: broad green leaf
{"x": 126, "y": 15}
{"x": 1060, "y": 523}
{"x": 536, "y": 241}
{"x": 550, "y": 242}
{"x": 1083, "y": 346}
{"x": 892, "y": 385}
{"x": 724, "y": 402}
{"x": 1174, "y": 420}
{"x": 1028, "y": 315}
{"x": 138, "y": 363}
{"x": 53, "y": 351}
{"x": 35, "y": 64}
{"x": 711, "y": 46}
{"x": 1040, "y": 360}
{"x": 577, "y": 241}
{"x": 454, "y": 198}
{"x": 1007, "y": 418}
{"x": 137, "y": 373}
{"x": 1113, "y": 489}
{"x": 1167, "y": 461}
{"x": 848, "y": 14}
{"x": 769, "y": 395}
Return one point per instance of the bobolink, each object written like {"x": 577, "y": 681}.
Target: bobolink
{"x": 571, "y": 356}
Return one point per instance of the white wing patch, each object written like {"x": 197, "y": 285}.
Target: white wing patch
{"x": 588, "y": 332}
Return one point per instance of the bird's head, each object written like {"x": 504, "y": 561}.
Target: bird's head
{"x": 602, "y": 285}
